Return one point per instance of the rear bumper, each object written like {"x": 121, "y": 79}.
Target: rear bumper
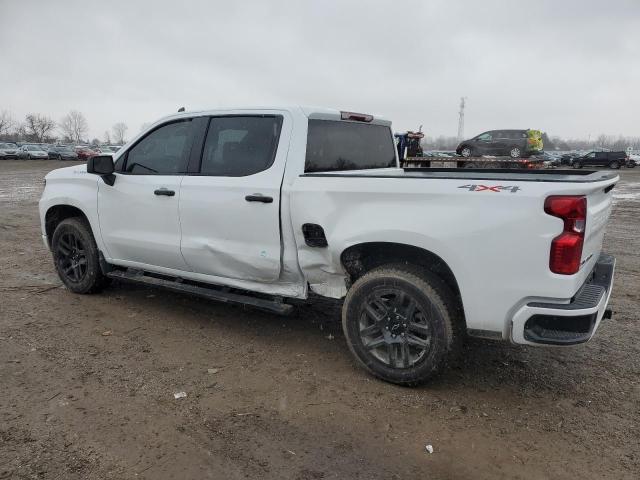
{"x": 542, "y": 323}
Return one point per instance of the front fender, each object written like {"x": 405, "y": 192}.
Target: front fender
{"x": 75, "y": 188}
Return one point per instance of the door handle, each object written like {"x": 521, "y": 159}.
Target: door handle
{"x": 165, "y": 192}
{"x": 258, "y": 197}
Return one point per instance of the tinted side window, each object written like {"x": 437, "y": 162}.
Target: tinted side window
{"x": 334, "y": 145}
{"x": 240, "y": 146}
{"x": 601, "y": 155}
{"x": 485, "y": 136}
{"x": 162, "y": 152}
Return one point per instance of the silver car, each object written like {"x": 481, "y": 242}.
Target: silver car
{"x": 8, "y": 150}
{"x": 32, "y": 152}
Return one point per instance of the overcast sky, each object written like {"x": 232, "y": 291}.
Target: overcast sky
{"x": 571, "y": 68}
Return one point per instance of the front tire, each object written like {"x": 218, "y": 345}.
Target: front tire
{"x": 576, "y": 164}
{"x": 466, "y": 152}
{"x": 400, "y": 323}
{"x": 75, "y": 256}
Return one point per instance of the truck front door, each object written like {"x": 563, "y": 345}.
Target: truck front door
{"x": 230, "y": 206}
{"x": 139, "y": 214}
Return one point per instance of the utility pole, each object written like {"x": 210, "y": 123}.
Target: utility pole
{"x": 461, "y": 119}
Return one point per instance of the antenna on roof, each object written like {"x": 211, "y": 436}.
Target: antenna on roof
{"x": 181, "y": 109}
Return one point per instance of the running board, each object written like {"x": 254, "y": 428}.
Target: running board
{"x": 214, "y": 292}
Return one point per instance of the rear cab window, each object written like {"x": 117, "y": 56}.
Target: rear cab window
{"x": 334, "y": 145}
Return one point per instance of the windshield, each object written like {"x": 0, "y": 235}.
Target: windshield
{"x": 33, "y": 148}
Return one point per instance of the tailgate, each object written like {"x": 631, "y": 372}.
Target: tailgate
{"x": 599, "y": 204}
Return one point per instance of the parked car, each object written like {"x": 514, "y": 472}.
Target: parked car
{"x": 32, "y": 152}
{"x": 600, "y": 159}
{"x": 281, "y": 202}
{"x": 84, "y": 152}
{"x": 567, "y": 158}
{"x": 548, "y": 159}
{"x": 633, "y": 160}
{"x": 9, "y": 150}
{"x": 62, "y": 153}
{"x": 104, "y": 150}
{"x": 514, "y": 143}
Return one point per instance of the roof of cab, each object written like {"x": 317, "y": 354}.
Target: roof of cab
{"x": 320, "y": 113}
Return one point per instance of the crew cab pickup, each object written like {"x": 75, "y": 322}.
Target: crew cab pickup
{"x": 263, "y": 206}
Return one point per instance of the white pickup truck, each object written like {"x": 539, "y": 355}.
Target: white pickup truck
{"x": 262, "y": 206}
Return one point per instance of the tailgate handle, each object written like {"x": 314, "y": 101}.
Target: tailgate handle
{"x": 258, "y": 197}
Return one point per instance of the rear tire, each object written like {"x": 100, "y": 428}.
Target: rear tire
{"x": 515, "y": 152}
{"x": 401, "y": 323}
{"x": 615, "y": 165}
{"x": 76, "y": 256}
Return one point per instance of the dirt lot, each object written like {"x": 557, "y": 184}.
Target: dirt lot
{"x": 88, "y": 383}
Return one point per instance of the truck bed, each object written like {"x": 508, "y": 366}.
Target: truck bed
{"x": 568, "y": 176}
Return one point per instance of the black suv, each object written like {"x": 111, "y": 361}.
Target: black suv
{"x": 599, "y": 159}
{"x": 513, "y": 143}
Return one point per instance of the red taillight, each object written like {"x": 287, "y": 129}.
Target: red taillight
{"x": 566, "y": 248}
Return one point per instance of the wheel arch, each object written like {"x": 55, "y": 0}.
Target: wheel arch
{"x": 358, "y": 259}
{"x": 57, "y": 213}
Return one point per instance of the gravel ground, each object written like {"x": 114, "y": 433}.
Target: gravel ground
{"x": 88, "y": 383}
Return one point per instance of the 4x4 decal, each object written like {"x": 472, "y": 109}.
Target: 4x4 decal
{"x": 491, "y": 188}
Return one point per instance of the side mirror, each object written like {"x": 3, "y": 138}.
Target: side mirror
{"x": 102, "y": 165}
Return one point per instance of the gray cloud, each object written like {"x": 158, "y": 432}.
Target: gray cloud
{"x": 568, "y": 67}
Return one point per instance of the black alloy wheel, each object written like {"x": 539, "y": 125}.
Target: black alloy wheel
{"x": 394, "y": 328}
{"x": 76, "y": 256}
{"x": 72, "y": 257}
{"x": 402, "y": 323}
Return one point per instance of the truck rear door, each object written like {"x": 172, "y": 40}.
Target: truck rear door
{"x": 230, "y": 204}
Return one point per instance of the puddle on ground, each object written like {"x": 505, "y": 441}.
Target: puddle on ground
{"x": 20, "y": 187}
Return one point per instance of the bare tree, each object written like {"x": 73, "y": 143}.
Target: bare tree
{"x": 107, "y": 137}
{"x": 119, "y": 131}
{"x": 74, "y": 126}
{"x": 38, "y": 126}
{"x": 6, "y": 122}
